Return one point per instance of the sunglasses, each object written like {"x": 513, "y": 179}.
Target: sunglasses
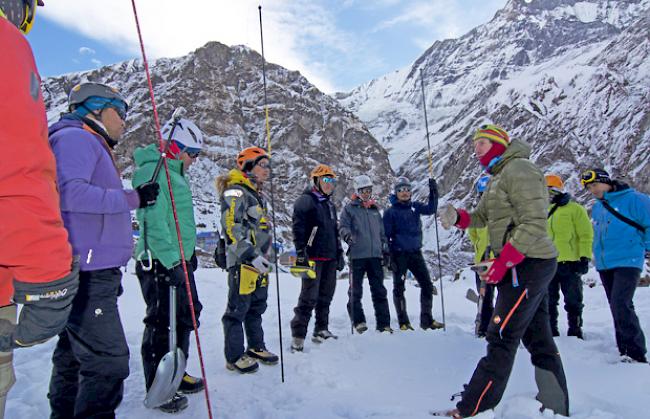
{"x": 365, "y": 190}
{"x": 264, "y": 164}
{"x": 329, "y": 180}
{"x": 403, "y": 189}
{"x": 193, "y": 153}
{"x": 587, "y": 177}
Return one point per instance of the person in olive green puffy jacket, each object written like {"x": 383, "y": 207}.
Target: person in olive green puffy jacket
{"x": 572, "y": 233}
{"x": 158, "y": 253}
{"x": 514, "y": 209}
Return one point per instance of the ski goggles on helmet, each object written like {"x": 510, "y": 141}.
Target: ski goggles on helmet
{"x": 404, "y": 189}
{"x": 120, "y": 107}
{"x": 329, "y": 180}
{"x": 367, "y": 189}
{"x": 592, "y": 176}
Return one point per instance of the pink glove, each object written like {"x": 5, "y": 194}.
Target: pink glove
{"x": 508, "y": 258}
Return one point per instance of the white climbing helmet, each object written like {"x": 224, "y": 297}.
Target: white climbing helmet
{"x": 187, "y": 134}
{"x": 361, "y": 181}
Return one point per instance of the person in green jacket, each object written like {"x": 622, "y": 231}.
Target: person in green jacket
{"x": 158, "y": 253}
{"x": 481, "y": 243}
{"x": 514, "y": 209}
{"x": 570, "y": 229}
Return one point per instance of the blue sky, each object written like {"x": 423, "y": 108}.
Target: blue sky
{"x": 337, "y": 45}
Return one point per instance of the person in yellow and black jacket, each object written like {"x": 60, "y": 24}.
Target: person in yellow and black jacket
{"x": 248, "y": 241}
{"x": 570, "y": 229}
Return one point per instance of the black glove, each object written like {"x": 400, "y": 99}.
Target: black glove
{"x": 175, "y": 276}
{"x": 148, "y": 193}
{"x": 386, "y": 261}
{"x": 433, "y": 186}
{"x": 46, "y": 306}
{"x": 301, "y": 258}
{"x": 340, "y": 262}
{"x": 194, "y": 261}
{"x": 582, "y": 266}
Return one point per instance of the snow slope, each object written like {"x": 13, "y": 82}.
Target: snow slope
{"x": 403, "y": 375}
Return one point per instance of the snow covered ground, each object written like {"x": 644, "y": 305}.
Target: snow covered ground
{"x": 403, "y": 375}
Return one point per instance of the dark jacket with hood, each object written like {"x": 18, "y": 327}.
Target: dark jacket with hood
{"x": 314, "y": 213}
{"x": 402, "y": 223}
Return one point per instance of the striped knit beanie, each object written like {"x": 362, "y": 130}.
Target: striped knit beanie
{"x": 493, "y": 133}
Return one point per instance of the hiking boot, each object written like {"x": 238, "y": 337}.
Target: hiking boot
{"x": 177, "y": 403}
{"x": 244, "y": 365}
{"x": 191, "y": 385}
{"x": 385, "y": 329}
{"x": 433, "y": 326}
{"x": 297, "y": 344}
{"x": 360, "y": 327}
{"x": 322, "y": 335}
{"x": 406, "y": 326}
{"x": 577, "y": 332}
{"x": 626, "y": 359}
{"x": 264, "y": 356}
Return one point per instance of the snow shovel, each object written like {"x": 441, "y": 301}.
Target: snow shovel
{"x": 171, "y": 367}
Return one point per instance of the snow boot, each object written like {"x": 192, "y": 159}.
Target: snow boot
{"x": 297, "y": 345}
{"x": 360, "y": 327}
{"x": 264, "y": 356}
{"x": 191, "y": 385}
{"x": 577, "y": 332}
{"x": 244, "y": 365}
{"x": 322, "y": 335}
{"x": 453, "y": 413}
{"x": 406, "y": 326}
{"x": 433, "y": 326}
{"x": 177, "y": 403}
{"x": 385, "y": 329}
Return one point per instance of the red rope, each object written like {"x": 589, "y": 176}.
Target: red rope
{"x": 171, "y": 196}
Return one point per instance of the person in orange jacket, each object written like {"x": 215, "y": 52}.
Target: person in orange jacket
{"x": 36, "y": 265}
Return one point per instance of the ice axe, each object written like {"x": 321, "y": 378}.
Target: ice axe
{"x": 171, "y": 368}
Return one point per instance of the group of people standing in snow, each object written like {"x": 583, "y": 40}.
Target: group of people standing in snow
{"x": 67, "y": 232}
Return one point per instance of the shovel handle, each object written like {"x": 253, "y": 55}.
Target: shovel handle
{"x": 172, "y": 319}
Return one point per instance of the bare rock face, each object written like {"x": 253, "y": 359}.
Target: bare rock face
{"x": 572, "y": 78}
{"x": 222, "y": 90}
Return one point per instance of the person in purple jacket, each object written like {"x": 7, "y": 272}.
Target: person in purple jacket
{"x": 91, "y": 359}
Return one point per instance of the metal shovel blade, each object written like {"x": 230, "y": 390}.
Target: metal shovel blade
{"x": 472, "y": 296}
{"x": 167, "y": 380}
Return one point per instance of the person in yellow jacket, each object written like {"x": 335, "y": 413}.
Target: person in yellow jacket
{"x": 569, "y": 227}
{"x": 481, "y": 242}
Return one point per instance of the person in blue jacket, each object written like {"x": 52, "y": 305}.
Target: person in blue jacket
{"x": 621, "y": 218}
{"x": 403, "y": 229}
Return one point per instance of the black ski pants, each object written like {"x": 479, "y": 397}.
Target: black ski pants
{"x": 486, "y": 306}
{"x": 91, "y": 358}
{"x": 372, "y": 267}
{"x": 620, "y": 285}
{"x": 155, "y": 339}
{"x": 414, "y": 262}
{"x": 243, "y": 312}
{"x": 315, "y": 294}
{"x": 520, "y": 314}
{"x": 570, "y": 283}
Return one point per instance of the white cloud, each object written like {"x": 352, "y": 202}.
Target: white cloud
{"x": 86, "y": 51}
{"x": 174, "y": 27}
{"x": 96, "y": 62}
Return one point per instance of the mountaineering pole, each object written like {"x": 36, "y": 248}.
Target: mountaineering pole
{"x": 268, "y": 146}
{"x": 171, "y": 196}
{"x": 426, "y": 124}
